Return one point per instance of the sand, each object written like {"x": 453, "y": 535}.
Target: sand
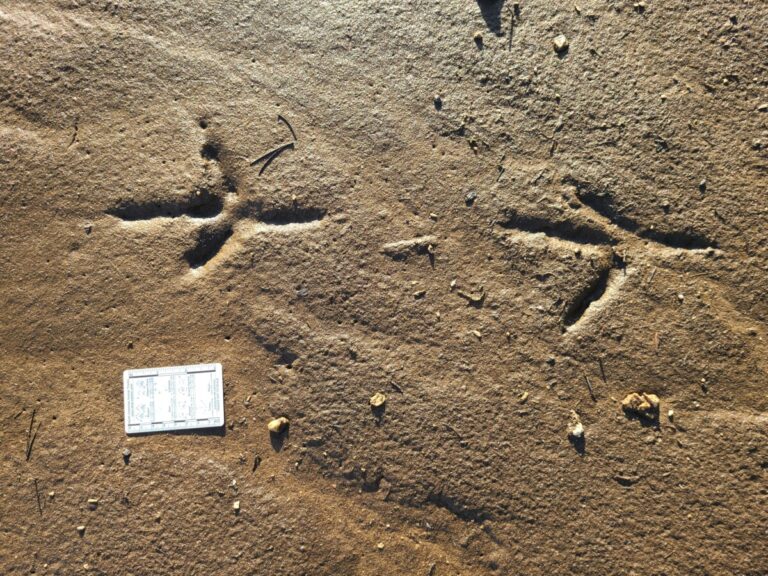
{"x": 439, "y": 202}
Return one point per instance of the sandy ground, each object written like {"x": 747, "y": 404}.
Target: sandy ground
{"x": 492, "y": 232}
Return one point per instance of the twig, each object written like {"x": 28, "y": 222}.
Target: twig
{"x": 31, "y": 437}
{"x": 396, "y": 387}
{"x": 37, "y": 495}
{"x": 284, "y": 121}
{"x": 32, "y": 441}
{"x": 270, "y": 156}
{"x": 256, "y": 463}
{"x": 589, "y": 385}
{"x": 262, "y": 157}
{"x": 602, "y": 370}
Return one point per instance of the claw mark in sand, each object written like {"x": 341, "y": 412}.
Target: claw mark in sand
{"x": 561, "y": 229}
{"x": 596, "y": 294}
{"x": 201, "y": 204}
{"x": 605, "y": 204}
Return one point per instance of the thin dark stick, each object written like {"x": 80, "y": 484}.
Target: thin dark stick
{"x": 275, "y": 154}
{"x": 263, "y": 157}
{"x": 284, "y": 121}
{"x": 29, "y": 432}
{"x": 32, "y": 442}
{"x": 589, "y": 385}
{"x": 256, "y": 463}
{"x": 602, "y": 370}
{"x": 37, "y": 495}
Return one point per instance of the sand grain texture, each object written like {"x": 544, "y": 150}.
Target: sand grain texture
{"x": 604, "y": 205}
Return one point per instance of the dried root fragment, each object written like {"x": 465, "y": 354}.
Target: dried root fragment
{"x": 401, "y": 249}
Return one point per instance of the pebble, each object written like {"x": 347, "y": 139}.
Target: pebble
{"x": 575, "y": 427}
{"x": 236, "y": 506}
{"x": 278, "y": 425}
{"x": 380, "y": 545}
{"x": 81, "y": 530}
{"x": 642, "y": 404}
{"x": 378, "y": 400}
{"x": 93, "y": 503}
{"x": 560, "y": 43}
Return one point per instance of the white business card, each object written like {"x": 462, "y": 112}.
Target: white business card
{"x": 173, "y": 398}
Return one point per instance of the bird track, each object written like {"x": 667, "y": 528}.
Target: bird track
{"x": 227, "y": 218}
{"x": 605, "y": 227}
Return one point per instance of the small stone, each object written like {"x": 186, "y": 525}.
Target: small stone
{"x": 763, "y": 108}
{"x": 523, "y": 398}
{"x": 575, "y": 427}
{"x": 641, "y": 404}
{"x": 236, "y": 506}
{"x": 380, "y": 545}
{"x": 560, "y": 44}
{"x": 438, "y": 102}
{"x": 378, "y": 400}
{"x": 433, "y": 216}
{"x": 51, "y": 494}
{"x": 419, "y": 294}
{"x": 81, "y": 530}
{"x": 681, "y": 297}
{"x": 470, "y": 198}
{"x": 93, "y": 503}
{"x": 671, "y": 414}
{"x": 477, "y": 334}
{"x": 278, "y": 425}
{"x": 479, "y": 39}
{"x": 703, "y": 186}
{"x": 126, "y": 455}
